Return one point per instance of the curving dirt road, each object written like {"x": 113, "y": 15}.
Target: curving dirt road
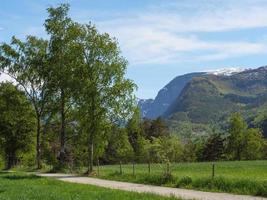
{"x": 164, "y": 191}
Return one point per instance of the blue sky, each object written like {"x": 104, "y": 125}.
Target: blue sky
{"x": 160, "y": 38}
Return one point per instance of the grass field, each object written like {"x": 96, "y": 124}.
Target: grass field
{"x": 240, "y": 177}
{"x": 14, "y": 186}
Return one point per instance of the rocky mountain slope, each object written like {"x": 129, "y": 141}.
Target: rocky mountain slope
{"x": 211, "y": 98}
{"x": 153, "y": 108}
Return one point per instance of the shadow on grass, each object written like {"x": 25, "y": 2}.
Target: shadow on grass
{"x": 20, "y": 177}
{"x": 4, "y": 172}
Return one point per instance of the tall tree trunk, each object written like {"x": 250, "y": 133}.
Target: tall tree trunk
{"x": 38, "y": 143}
{"x": 8, "y": 163}
{"x": 62, "y": 130}
{"x": 238, "y": 153}
{"x": 91, "y": 155}
{"x": 91, "y": 137}
{"x": 11, "y": 159}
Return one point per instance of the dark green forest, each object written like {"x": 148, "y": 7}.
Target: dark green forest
{"x": 71, "y": 107}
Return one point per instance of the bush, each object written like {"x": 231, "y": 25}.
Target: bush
{"x": 184, "y": 181}
{"x": 158, "y": 179}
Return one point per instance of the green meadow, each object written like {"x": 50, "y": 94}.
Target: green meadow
{"x": 239, "y": 177}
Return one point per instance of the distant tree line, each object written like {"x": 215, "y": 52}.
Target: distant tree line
{"x": 152, "y": 141}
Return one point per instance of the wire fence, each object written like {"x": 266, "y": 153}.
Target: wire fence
{"x": 155, "y": 169}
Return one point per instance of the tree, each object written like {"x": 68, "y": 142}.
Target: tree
{"x": 134, "y": 129}
{"x": 26, "y": 63}
{"x": 16, "y": 122}
{"x": 158, "y": 129}
{"x": 105, "y": 95}
{"x": 155, "y": 151}
{"x": 165, "y": 149}
{"x": 190, "y": 150}
{"x": 237, "y": 132}
{"x": 253, "y": 144}
{"x": 213, "y": 148}
{"x": 136, "y": 136}
{"x": 119, "y": 147}
{"x": 63, "y": 59}
{"x": 243, "y": 142}
{"x": 172, "y": 148}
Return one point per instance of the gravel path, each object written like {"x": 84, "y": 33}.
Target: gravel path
{"x": 164, "y": 191}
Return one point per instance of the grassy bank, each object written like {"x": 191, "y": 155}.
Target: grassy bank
{"x": 14, "y": 186}
{"x": 239, "y": 177}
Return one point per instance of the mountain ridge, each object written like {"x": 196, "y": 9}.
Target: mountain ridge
{"x": 153, "y": 108}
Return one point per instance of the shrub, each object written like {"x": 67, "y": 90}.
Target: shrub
{"x": 184, "y": 181}
{"x": 158, "y": 179}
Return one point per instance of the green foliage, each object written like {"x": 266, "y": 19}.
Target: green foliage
{"x": 2, "y": 161}
{"x": 105, "y": 94}
{"x": 63, "y": 60}
{"x": 158, "y": 129}
{"x": 26, "y": 63}
{"x": 253, "y": 144}
{"x": 16, "y": 123}
{"x": 119, "y": 147}
{"x": 166, "y": 149}
{"x": 184, "y": 181}
{"x": 214, "y": 148}
{"x": 159, "y": 179}
{"x": 237, "y": 131}
{"x": 244, "y": 143}
{"x": 136, "y": 138}
{"x": 189, "y": 151}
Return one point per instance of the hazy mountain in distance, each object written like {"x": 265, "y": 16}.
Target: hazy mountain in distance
{"x": 154, "y": 108}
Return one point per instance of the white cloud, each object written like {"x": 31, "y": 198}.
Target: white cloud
{"x": 160, "y": 36}
{"x": 143, "y": 45}
{"x": 209, "y": 21}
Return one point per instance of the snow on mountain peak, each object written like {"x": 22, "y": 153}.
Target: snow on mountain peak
{"x": 226, "y": 71}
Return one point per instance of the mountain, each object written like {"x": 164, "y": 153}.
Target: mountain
{"x": 145, "y": 106}
{"x": 197, "y": 104}
{"x": 153, "y": 108}
{"x": 212, "y": 98}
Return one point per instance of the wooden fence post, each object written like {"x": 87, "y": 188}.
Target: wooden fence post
{"x": 98, "y": 167}
{"x": 120, "y": 168}
{"x": 168, "y": 168}
{"x": 213, "y": 170}
{"x": 133, "y": 169}
{"x": 149, "y": 167}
